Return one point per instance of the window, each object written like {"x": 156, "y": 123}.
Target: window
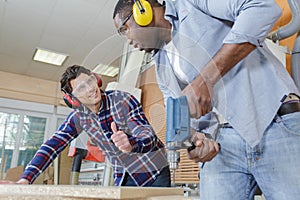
{"x": 8, "y": 132}
{"x": 32, "y": 138}
{"x": 20, "y": 137}
{"x": 24, "y": 126}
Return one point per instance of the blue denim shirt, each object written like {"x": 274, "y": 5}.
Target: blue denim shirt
{"x": 250, "y": 94}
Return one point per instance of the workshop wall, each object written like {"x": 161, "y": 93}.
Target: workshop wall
{"x": 25, "y": 88}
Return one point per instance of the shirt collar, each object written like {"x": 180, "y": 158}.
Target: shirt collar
{"x": 104, "y": 101}
{"x": 170, "y": 15}
{"x": 170, "y": 11}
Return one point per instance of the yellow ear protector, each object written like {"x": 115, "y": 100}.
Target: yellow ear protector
{"x": 142, "y": 12}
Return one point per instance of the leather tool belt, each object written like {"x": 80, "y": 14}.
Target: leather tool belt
{"x": 290, "y": 104}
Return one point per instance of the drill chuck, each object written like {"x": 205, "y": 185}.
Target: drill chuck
{"x": 173, "y": 159}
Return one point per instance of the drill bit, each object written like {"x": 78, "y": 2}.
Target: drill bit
{"x": 173, "y": 178}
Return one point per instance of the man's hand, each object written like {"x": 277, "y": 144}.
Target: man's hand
{"x": 120, "y": 139}
{"x": 6, "y": 182}
{"x": 22, "y": 181}
{"x": 198, "y": 94}
{"x": 206, "y": 149}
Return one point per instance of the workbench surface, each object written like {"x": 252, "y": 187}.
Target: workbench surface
{"x": 62, "y": 192}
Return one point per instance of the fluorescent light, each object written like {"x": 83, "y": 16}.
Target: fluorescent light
{"x": 106, "y": 70}
{"x": 49, "y": 57}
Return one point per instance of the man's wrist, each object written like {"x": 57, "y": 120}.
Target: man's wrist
{"x": 23, "y": 181}
{"x": 210, "y": 74}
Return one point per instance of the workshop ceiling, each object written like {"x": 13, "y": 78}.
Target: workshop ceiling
{"x": 82, "y": 29}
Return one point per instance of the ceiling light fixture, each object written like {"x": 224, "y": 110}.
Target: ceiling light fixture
{"x": 49, "y": 57}
{"x": 106, "y": 70}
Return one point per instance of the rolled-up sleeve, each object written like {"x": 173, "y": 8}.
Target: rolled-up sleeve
{"x": 252, "y": 19}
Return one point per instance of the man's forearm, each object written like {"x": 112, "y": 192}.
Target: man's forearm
{"x": 224, "y": 60}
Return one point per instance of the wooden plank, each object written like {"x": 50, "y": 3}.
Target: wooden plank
{"x": 85, "y": 192}
{"x": 169, "y": 198}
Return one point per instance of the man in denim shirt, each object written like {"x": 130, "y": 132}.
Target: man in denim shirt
{"x": 214, "y": 53}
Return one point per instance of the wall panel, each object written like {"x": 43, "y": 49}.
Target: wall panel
{"x": 19, "y": 87}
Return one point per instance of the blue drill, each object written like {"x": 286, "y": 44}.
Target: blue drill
{"x": 178, "y": 130}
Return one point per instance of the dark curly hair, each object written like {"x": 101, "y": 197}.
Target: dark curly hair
{"x": 71, "y": 73}
{"x": 125, "y": 6}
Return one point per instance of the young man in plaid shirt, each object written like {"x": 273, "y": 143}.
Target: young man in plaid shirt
{"x": 115, "y": 121}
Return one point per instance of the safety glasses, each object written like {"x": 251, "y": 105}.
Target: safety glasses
{"x": 123, "y": 30}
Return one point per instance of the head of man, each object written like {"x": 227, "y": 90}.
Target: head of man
{"x": 81, "y": 83}
{"x": 144, "y": 37}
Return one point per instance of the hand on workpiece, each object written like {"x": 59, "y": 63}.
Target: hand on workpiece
{"x": 6, "y": 182}
{"x": 206, "y": 149}
{"x": 120, "y": 139}
{"x": 22, "y": 181}
{"x": 198, "y": 96}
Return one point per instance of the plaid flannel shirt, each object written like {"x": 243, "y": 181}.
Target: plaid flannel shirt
{"x": 143, "y": 164}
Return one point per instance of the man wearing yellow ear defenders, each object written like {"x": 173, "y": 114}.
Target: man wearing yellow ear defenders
{"x": 214, "y": 53}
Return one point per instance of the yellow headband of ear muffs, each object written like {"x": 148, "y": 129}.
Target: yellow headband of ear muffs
{"x": 142, "y": 12}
